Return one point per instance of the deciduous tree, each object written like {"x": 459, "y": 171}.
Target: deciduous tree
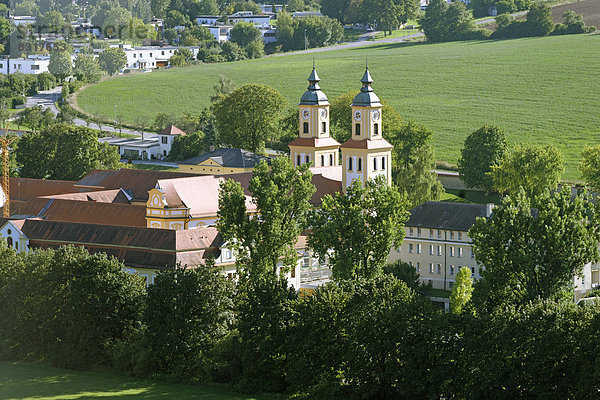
{"x": 590, "y": 166}
{"x": 354, "y": 232}
{"x": 247, "y": 117}
{"x": 112, "y": 60}
{"x": 60, "y": 64}
{"x": 87, "y": 68}
{"x": 483, "y": 148}
{"x": 281, "y": 194}
{"x": 461, "y": 291}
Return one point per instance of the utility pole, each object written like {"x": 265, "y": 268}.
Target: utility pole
{"x": 305, "y": 45}
{"x": 115, "y": 115}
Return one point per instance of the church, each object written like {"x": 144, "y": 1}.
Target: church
{"x": 153, "y": 220}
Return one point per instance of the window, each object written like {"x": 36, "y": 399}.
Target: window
{"x": 150, "y": 54}
{"x": 430, "y": 249}
{"x": 357, "y": 129}
{"x": 431, "y": 233}
{"x": 459, "y": 252}
{"x": 410, "y": 263}
{"x": 305, "y": 127}
{"x": 228, "y": 254}
{"x": 411, "y": 232}
{"x": 382, "y": 162}
{"x": 418, "y": 248}
{"x": 164, "y": 140}
{"x": 472, "y": 271}
{"x": 307, "y": 158}
{"x": 452, "y": 270}
{"x": 430, "y": 268}
{"x": 134, "y": 56}
{"x": 298, "y": 160}
{"x": 451, "y": 251}
{"x": 472, "y": 253}
{"x": 439, "y": 250}
{"x": 419, "y": 232}
{"x": 410, "y": 248}
{"x": 359, "y": 162}
{"x": 162, "y": 53}
{"x": 35, "y": 67}
{"x": 374, "y": 164}
{"x": 439, "y": 234}
{"x": 17, "y": 246}
{"x": 323, "y": 127}
{"x": 451, "y": 235}
{"x": 459, "y": 235}
{"x": 9, "y": 241}
{"x": 418, "y": 267}
{"x": 375, "y": 129}
{"x": 331, "y": 159}
{"x": 322, "y": 160}
{"x": 439, "y": 269}
{"x": 350, "y": 164}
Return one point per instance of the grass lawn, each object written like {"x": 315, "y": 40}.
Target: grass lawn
{"x": 470, "y": 196}
{"x": 39, "y": 382}
{"x": 539, "y": 90}
{"x": 351, "y": 35}
{"x": 395, "y": 34}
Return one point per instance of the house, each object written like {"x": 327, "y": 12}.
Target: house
{"x": 222, "y": 162}
{"x": 247, "y": 16}
{"x": 167, "y": 137}
{"x": 22, "y": 20}
{"x": 33, "y": 64}
{"x": 268, "y": 8}
{"x": 135, "y": 149}
{"x": 211, "y": 20}
{"x": 145, "y": 57}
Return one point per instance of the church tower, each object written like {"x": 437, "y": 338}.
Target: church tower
{"x": 313, "y": 144}
{"x": 366, "y": 154}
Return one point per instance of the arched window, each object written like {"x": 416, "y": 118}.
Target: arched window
{"x": 298, "y": 160}
{"x": 307, "y": 159}
{"x": 9, "y": 241}
{"x": 305, "y": 127}
{"x": 376, "y": 129}
{"x": 382, "y": 162}
{"x": 324, "y": 126}
{"x": 322, "y": 160}
{"x": 331, "y": 159}
{"x": 359, "y": 164}
{"x": 375, "y": 164}
{"x": 357, "y": 129}
{"x": 350, "y": 164}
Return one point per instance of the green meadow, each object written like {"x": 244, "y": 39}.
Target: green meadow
{"x": 539, "y": 90}
{"x": 35, "y": 381}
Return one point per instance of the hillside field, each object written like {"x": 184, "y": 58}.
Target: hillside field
{"x": 539, "y": 90}
{"x": 36, "y": 381}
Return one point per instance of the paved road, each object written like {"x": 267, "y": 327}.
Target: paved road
{"x": 47, "y": 99}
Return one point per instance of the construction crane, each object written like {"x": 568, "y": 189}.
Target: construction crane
{"x": 5, "y": 141}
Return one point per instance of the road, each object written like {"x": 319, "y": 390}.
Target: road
{"x": 48, "y": 98}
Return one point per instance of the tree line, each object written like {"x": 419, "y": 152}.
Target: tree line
{"x": 369, "y": 334}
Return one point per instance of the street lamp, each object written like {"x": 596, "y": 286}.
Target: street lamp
{"x": 115, "y": 115}
{"x": 305, "y": 45}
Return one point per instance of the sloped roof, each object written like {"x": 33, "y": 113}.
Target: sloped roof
{"x": 137, "y": 181}
{"x": 101, "y": 196}
{"x": 367, "y": 144}
{"x": 314, "y": 142}
{"x": 328, "y": 181}
{"x": 201, "y": 193}
{"x": 231, "y": 158}
{"x": 27, "y": 189}
{"x": 446, "y": 215}
{"x": 136, "y": 247}
{"x": 89, "y": 212}
{"x": 172, "y": 130}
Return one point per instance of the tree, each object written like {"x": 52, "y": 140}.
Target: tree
{"x": 181, "y": 57}
{"x": 187, "y": 146}
{"x": 64, "y": 152}
{"x": 404, "y": 272}
{"x": 116, "y": 21}
{"x": 112, "y": 60}
{"x": 285, "y": 30}
{"x": 530, "y": 254}
{"x": 188, "y": 312}
{"x": 413, "y": 164}
{"x": 461, "y": 291}
{"x": 483, "y": 148}
{"x": 443, "y": 22}
{"x": 137, "y": 31}
{"x": 590, "y": 166}
{"x": 60, "y": 64}
{"x": 531, "y": 167}
{"x": 334, "y": 9}
{"x": 247, "y": 117}
{"x": 354, "y": 232}
{"x": 244, "y": 33}
{"x": 232, "y": 51}
{"x": 281, "y": 194}
{"x": 86, "y": 68}
{"x": 539, "y": 19}
{"x": 255, "y": 49}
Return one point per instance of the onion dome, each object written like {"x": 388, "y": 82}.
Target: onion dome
{"x": 366, "y": 97}
{"x": 314, "y": 96}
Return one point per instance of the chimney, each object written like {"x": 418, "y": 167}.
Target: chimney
{"x": 489, "y": 207}
{"x": 211, "y": 149}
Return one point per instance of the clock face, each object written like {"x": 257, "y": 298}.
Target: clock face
{"x": 305, "y": 113}
{"x": 376, "y": 115}
{"x": 357, "y": 115}
{"x": 323, "y": 113}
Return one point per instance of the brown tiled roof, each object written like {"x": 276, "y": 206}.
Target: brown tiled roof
{"x": 324, "y": 186}
{"x": 314, "y": 142}
{"x": 101, "y": 196}
{"x": 89, "y": 212}
{"x": 27, "y": 189}
{"x": 137, "y": 181}
{"x": 136, "y": 247}
{"x": 172, "y": 130}
{"x": 201, "y": 193}
{"x": 367, "y": 144}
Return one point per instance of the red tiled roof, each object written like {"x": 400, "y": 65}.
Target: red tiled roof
{"x": 172, "y": 130}
{"x": 27, "y": 189}
{"x": 314, "y": 142}
{"x": 367, "y": 144}
{"x": 101, "y": 196}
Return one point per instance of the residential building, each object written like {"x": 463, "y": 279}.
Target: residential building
{"x": 23, "y": 20}
{"x": 145, "y": 149}
{"x": 150, "y": 57}
{"x": 221, "y": 33}
{"x": 33, "y": 64}
{"x": 247, "y": 16}
{"x": 222, "y": 162}
{"x": 167, "y": 137}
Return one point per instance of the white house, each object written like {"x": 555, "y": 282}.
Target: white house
{"x": 211, "y": 20}
{"x": 23, "y": 20}
{"x": 269, "y": 35}
{"x": 15, "y": 238}
{"x": 266, "y": 8}
{"x": 34, "y": 64}
{"x": 221, "y": 33}
{"x": 167, "y": 136}
{"x": 151, "y": 56}
{"x": 138, "y": 149}
{"x": 247, "y": 16}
